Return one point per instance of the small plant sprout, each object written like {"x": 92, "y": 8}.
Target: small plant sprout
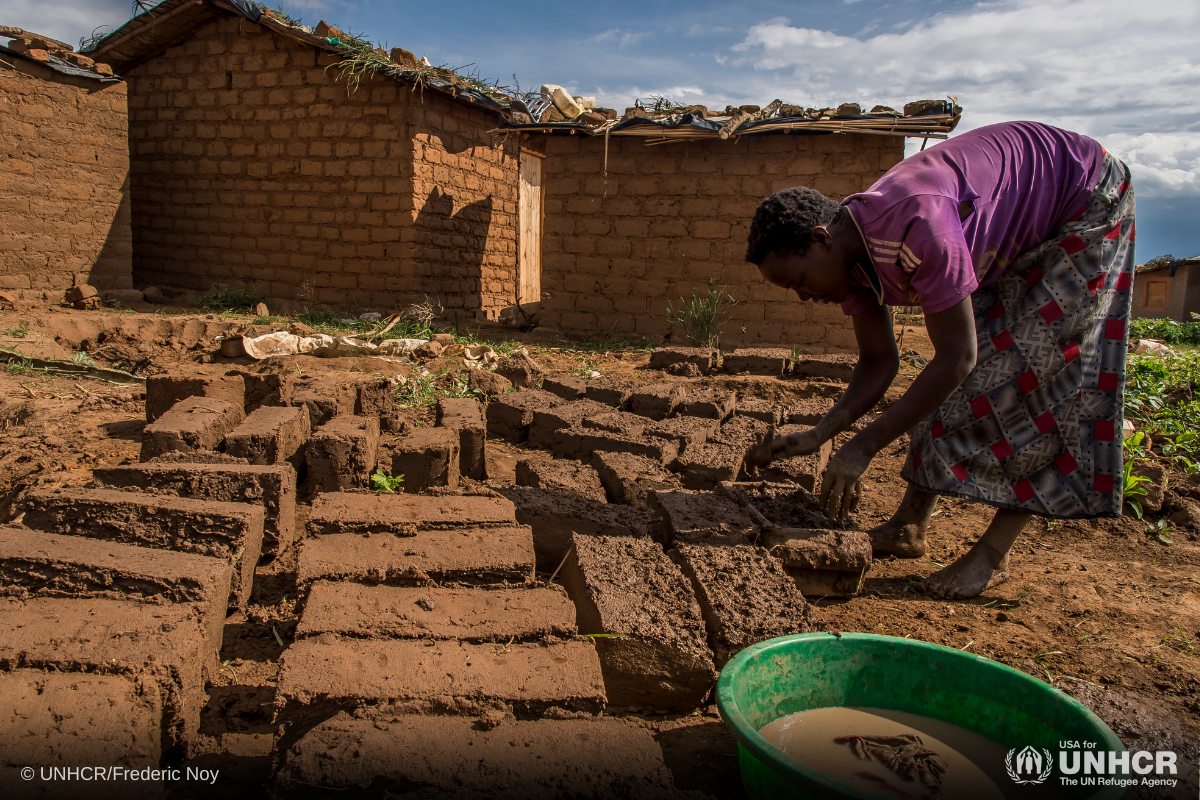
{"x": 1133, "y": 488}
{"x": 382, "y": 482}
{"x": 19, "y": 332}
{"x": 82, "y": 359}
{"x": 703, "y": 317}
{"x": 1162, "y": 531}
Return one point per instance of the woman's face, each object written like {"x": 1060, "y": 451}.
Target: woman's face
{"x": 816, "y": 274}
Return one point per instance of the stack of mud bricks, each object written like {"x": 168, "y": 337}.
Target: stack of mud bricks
{"x": 424, "y": 639}
{"x": 616, "y": 213}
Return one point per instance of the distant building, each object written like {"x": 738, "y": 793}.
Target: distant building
{"x": 1169, "y": 290}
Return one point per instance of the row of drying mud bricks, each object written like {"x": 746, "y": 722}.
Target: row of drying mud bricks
{"x": 772, "y": 362}
{"x": 329, "y": 430}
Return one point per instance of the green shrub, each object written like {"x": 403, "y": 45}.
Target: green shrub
{"x": 704, "y": 316}
{"x": 1168, "y": 330}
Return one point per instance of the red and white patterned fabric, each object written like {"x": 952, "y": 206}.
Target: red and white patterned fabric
{"x": 1036, "y": 426}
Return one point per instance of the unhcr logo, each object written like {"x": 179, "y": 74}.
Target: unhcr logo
{"x": 1029, "y": 766}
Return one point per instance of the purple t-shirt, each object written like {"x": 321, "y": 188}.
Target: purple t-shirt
{"x": 1023, "y": 180}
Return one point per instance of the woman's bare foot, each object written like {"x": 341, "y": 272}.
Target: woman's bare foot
{"x": 984, "y": 565}
{"x": 904, "y": 534}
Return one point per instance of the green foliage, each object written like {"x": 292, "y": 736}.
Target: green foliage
{"x": 425, "y": 390}
{"x": 19, "y": 332}
{"x": 1168, "y": 330}
{"x": 1133, "y": 488}
{"x": 1162, "y": 531}
{"x": 1160, "y": 393}
{"x": 382, "y": 482}
{"x": 20, "y": 366}
{"x": 224, "y": 298}
{"x": 703, "y": 318}
{"x": 83, "y": 360}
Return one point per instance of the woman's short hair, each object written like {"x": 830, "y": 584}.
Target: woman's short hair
{"x": 783, "y": 223}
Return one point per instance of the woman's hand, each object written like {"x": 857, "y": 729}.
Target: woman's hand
{"x": 842, "y": 485}
{"x": 797, "y": 444}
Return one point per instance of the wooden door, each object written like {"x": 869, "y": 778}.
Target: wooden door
{"x": 529, "y": 245}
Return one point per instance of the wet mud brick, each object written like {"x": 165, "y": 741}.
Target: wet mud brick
{"x": 704, "y": 358}
{"x": 164, "y": 391}
{"x": 73, "y": 720}
{"x": 267, "y": 389}
{"x": 404, "y": 612}
{"x": 231, "y": 531}
{"x": 838, "y": 366}
{"x": 270, "y": 435}
{"x": 272, "y": 487}
{"x": 657, "y": 400}
{"x": 510, "y": 415}
{"x": 36, "y": 564}
{"x": 808, "y": 411}
{"x": 686, "y": 432}
{"x": 197, "y": 423}
{"x": 162, "y": 643}
{"x": 628, "y": 587}
{"x": 602, "y": 758}
{"x": 773, "y": 362}
{"x": 711, "y": 403}
{"x": 341, "y": 453}
{"x": 555, "y": 517}
{"x": 622, "y": 422}
{"x": 708, "y": 464}
{"x": 561, "y": 475}
{"x": 426, "y": 457}
{"x": 613, "y": 392}
{"x": 326, "y": 674}
{"x": 698, "y": 517}
{"x": 822, "y": 562}
{"x": 745, "y": 595}
{"x": 761, "y": 410}
{"x": 326, "y": 398}
{"x": 405, "y": 515}
{"x": 565, "y": 387}
{"x": 630, "y": 479}
{"x": 471, "y": 555}
{"x": 374, "y": 397}
{"x": 466, "y": 416}
{"x": 804, "y": 470}
{"x": 548, "y": 420}
{"x": 581, "y": 442}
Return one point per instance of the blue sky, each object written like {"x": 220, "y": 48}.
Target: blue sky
{"x": 1123, "y": 72}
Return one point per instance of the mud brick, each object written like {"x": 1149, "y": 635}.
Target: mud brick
{"x": 267, "y": 389}
{"x": 613, "y": 392}
{"x": 804, "y": 470}
{"x": 521, "y": 370}
{"x": 547, "y": 421}
{"x": 561, "y": 475}
{"x": 617, "y": 422}
{"x": 837, "y": 366}
{"x": 405, "y": 515}
{"x": 197, "y": 423}
{"x": 708, "y": 464}
{"x": 466, "y": 416}
{"x": 815, "y": 548}
{"x": 626, "y": 586}
{"x": 408, "y": 612}
{"x": 321, "y": 676}
{"x": 73, "y": 720}
{"x": 426, "y": 457}
{"x": 342, "y": 453}
{"x": 758, "y": 361}
{"x": 744, "y": 432}
{"x": 166, "y": 390}
{"x": 827, "y": 582}
{"x": 37, "y": 564}
{"x": 808, "y": 411}
{"x": 703, "y": 357}
{"x": 580, "y": 442}
{"x": 700, "y": 517}
{"x": 761, "y": 410}
{"x": 374, "y": 397}
{"x": 163, "y": 643}
{"x": 745, "y": 595}
{"x": 510, "y": 415}
{"x": 272, "y": 487}
{"x": 710, "y": 403}
{"x": 657, "y": 400}
{"x": 684, "y": 431}
{"x": 232, "y": 531}
{"x": 456, "y": 757}
{"x": 630, "y": 479}
{"x": 270, "y": 435}
{"x": 463, "y": 555}
{"x": 567, "y": 388}
{"x": 488, "y": 383}
{"x": 555, "y": 516}
{"x": 325, "y": 399}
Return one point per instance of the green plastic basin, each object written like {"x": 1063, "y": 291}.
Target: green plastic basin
{"x": 818, "y": 670}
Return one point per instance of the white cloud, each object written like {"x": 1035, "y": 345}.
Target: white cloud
{"x": 1122, "y": 72}
{"x": 622, "y": 38}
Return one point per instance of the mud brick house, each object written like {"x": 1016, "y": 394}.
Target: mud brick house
{"x": 257, "y": 161}
{"x": 1167, "y": 290}
{"x": 64, "y": 169}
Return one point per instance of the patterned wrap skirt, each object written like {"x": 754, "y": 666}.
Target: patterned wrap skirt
{"x": 1036, "y": 426}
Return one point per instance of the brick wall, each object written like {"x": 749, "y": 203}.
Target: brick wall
{"x": 253, "y": 166}
{"x": 671, "y": 216}
{"x": 64, "y": 180}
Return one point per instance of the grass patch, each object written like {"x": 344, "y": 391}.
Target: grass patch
{"x": 421, "y": 391}
{"x": 704, "y": 316}
{"x": 224, "y": 298}
{"x": 19, "y": 332}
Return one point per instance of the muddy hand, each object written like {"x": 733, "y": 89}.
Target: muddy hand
{"x": 841, "y": 486}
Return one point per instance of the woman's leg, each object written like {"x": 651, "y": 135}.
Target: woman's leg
{"x": 987, "y": 560}
{"x": 904, "y": 534}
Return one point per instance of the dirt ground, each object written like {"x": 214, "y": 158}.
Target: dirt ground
{"x": 1101, "y": 609}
